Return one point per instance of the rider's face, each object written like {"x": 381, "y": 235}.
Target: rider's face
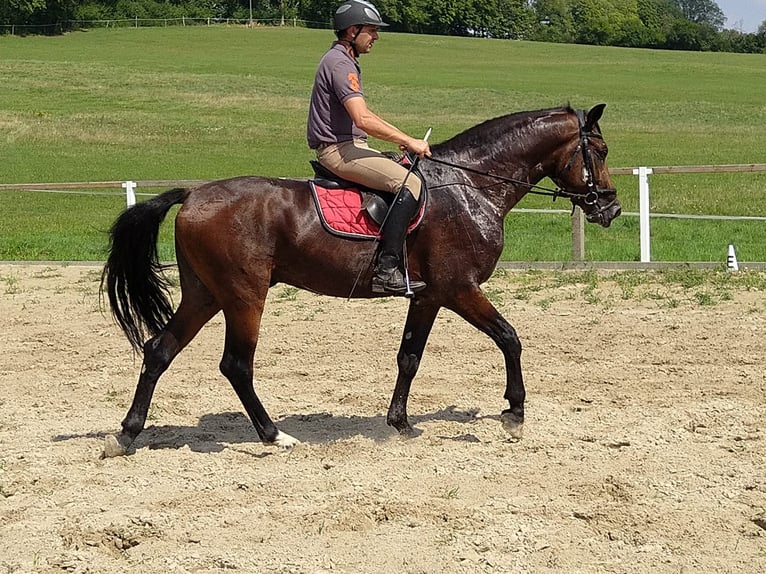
{"x": 366, "y": 39}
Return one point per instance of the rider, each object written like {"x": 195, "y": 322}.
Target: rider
{"x": 339, "y": 123}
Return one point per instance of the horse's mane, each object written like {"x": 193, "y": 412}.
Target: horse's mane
{"x": 511, "y": 126}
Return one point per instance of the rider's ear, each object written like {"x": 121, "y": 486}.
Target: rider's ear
{"x": 593, "y": 116}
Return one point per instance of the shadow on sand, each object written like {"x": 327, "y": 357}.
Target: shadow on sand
{"x": 216, "y": 432}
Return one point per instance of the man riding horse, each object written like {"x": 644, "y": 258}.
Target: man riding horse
{"x": 338, "y": 125}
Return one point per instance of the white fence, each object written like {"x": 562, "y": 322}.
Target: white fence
{"x": 578, "y": 222}
{"x": 644, "y": 214}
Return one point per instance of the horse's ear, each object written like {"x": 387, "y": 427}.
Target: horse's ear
{"x": 593, "y": 116}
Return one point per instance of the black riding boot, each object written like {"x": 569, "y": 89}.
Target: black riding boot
{"x": 388, "y": 277}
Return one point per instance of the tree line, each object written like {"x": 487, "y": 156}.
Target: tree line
{"x": 663, "y": 24}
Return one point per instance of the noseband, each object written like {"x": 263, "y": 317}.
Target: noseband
{"x": 590, "y": 197}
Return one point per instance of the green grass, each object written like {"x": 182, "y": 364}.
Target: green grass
{"x": 212, "y": 102}
{"x": 667, "y": 288}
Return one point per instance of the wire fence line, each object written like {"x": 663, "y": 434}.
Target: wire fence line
{"x": 515, "y": 210}
{"x": 77, "y": 188}
{"x": 578, "y": 259}
{"x": 58, "y": 27}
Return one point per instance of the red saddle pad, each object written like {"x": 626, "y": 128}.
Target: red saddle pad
{"x": 341, "y": 212}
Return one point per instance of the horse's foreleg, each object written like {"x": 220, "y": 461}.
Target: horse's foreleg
{"x": 420, "y": 319}
{"x": 475, "y": 308}
{"x": 237, "y": 366}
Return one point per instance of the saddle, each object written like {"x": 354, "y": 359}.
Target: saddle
{"x": 354, "y": 211}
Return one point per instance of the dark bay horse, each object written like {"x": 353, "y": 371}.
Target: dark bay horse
{"x": 236, "y": 238}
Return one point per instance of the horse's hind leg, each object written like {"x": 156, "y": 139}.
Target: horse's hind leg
{"x": 242, "y": 326}
{"x": 420, "y": 319}
{"x": 196, "y": 308}
{"x": 475, "y": 308}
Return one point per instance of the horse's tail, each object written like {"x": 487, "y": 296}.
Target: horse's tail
{"x": 133, "y": 278}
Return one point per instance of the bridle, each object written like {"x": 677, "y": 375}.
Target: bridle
{"x": 594, "y": 192}
{"x": 589, "y": 198}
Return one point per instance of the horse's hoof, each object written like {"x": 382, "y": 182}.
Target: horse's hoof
{"x": 403, "y": 427}
{"x": 409, "y": 432}
{"x": 285, "y": 441}
{"x": 115, "y": 445}
{"x": 512, "y": 424}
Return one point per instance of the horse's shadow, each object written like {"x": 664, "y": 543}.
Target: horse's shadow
{"x": 216, "y": 432}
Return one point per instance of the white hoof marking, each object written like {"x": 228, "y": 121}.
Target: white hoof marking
{"x": 112, "y": 447}
{"x": 512, "y": 426}
{"x": 285, "y": 441}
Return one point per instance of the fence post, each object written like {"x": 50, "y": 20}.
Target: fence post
{"x": 643, "y": 212}
{"x": 578, "y": 235}
{"x": 130, "y": 192}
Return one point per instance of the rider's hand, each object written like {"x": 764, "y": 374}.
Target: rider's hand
{"x": 418, "y": 147}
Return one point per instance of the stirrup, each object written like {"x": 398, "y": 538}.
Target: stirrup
{"x": 393, "y": 281}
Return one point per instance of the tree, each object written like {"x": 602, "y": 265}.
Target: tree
{"x": 688, "y": 35}
{"x": 702, "y": 12}
{"x": 634, "y": 34}
{"x": 51, "y": 16}
{"x": 592, "y": 22}
{"x": 515, "y": 19}
{"x": 443, "y": 15}
{"x": 604, "y": 22}
{"x": 734, "y": 41}
{"x": 657, "y": 17}
{"x": 674, "y": 24}
{"x": 288, "y": 9}
{"x": 554, "y": 21}
{"x": 317, "y": 13}
{"x": 408, "y": 15}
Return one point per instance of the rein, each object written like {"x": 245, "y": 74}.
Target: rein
{"x": 591, "y": 197}
{"x": 533, "y": 187}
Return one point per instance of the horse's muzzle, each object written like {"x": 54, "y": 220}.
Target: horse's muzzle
{"x": 604, "y": 215}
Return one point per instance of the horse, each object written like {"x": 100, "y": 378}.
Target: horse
{"x": 235, "y": 238}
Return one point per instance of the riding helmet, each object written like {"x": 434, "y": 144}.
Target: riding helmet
{"x": 356, "y": 13}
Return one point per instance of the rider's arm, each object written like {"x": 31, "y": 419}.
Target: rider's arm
{"x": 371, "y": 123}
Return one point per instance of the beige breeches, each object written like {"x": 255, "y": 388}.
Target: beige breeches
{"x": 355, "y": 161}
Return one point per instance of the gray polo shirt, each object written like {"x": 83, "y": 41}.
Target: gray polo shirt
{"x": 338, "y": 78}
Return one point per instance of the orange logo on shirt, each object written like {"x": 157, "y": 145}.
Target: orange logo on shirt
{"x": 353, "y": 82}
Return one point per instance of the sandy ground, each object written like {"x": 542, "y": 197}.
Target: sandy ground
{"x": 644, "y": 448}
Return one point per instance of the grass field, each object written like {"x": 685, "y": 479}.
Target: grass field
{"x": 211, "y": 102}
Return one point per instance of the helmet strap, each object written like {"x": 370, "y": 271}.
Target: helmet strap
{"x": 353, "y": 40}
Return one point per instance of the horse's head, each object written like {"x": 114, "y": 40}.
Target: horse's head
{"x": 582, "y": 173}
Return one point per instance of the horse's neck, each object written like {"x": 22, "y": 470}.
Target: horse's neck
{"x": 527, "y": 154}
